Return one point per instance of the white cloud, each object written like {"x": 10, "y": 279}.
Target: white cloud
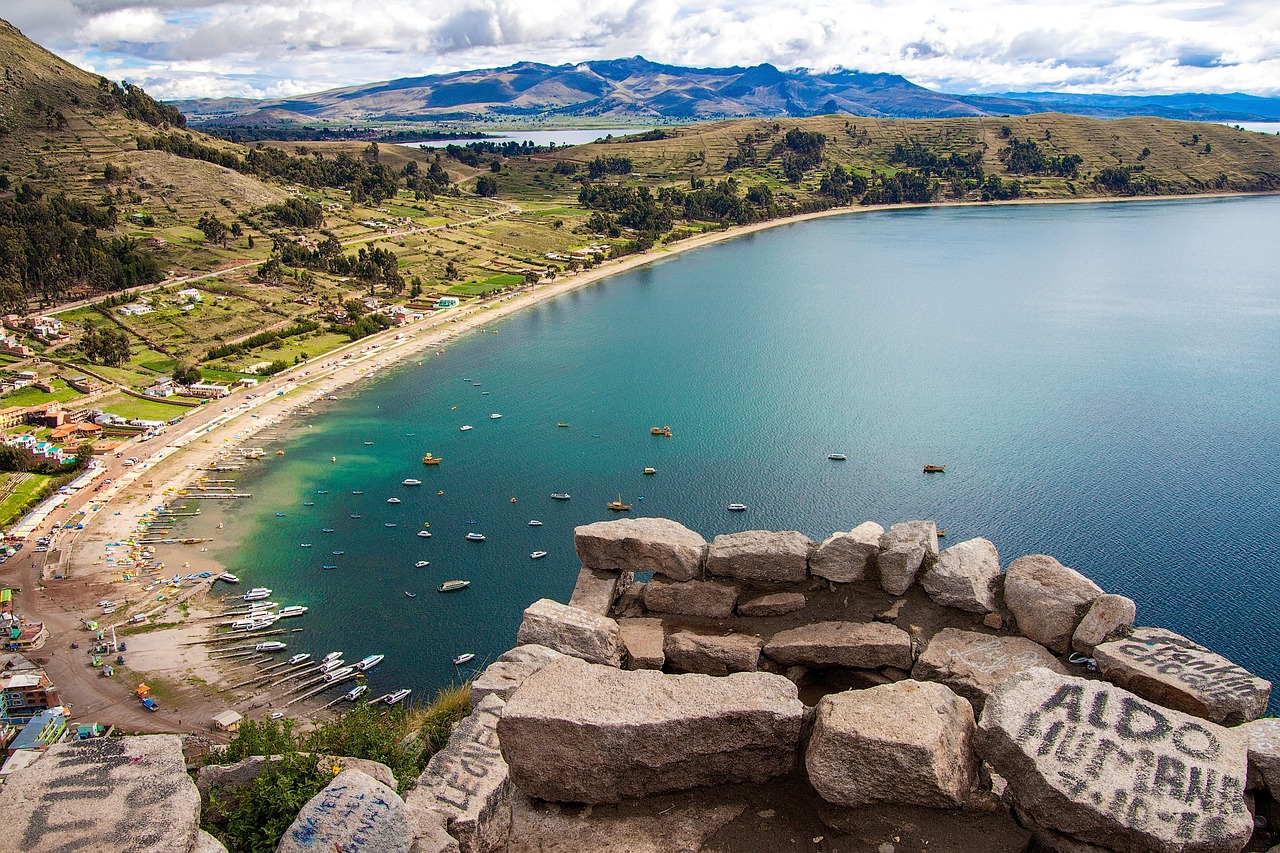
{"x": 178, "y": 48}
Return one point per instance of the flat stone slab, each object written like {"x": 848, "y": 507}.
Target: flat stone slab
{"x": 965, "y": 577}
{"x": 576, "y": 732}
{"x": 850, "y": 556}
{"x": 862, "y": 645}
{"x": 353, "y": 812}
{"x": 509, "y": 671}
{"x": 1048, "y": 599}
{"x": 709, "y": 599}
{"x": 106, "y": 795}
{"x": 909, "y": 743}
{"x": 775, "y": 604}
{"x": 974, "y": 665}
{"x": 641, "y": 545}
{"x": 571, "y": 631}
{"x": 468, "y": 782}
{"x": 1102, "y": 765}
{"x": 643, "y": 640}
{"x": 760, "y": 556}
{"x": 597, "y": 589}
{"x": 715, "y": 654}
{"x": 1170, "y": 669}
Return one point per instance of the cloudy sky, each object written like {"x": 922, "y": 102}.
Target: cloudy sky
{"x": 268, "y": 48}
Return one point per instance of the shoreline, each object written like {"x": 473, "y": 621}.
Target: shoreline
{"x": 205, "y": 434}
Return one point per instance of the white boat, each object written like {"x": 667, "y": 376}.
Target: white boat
{"x": 397, "y": 696}
{"x": 263, "y": 620}
{"x": 331, "y": 665}
{"x": 533, "y": 522}
{"x": 255, "y": 606}
{"x": 336, "y": 674}
{"x": 243, "y": 624}
{"x": 393, "y": 500}
{"x": 560, "y": 496}
{"x": 422, "y": 564}
{"x": 837, "y": 457}
{"x": 258, "y": 592}
{"x": 228, "y": 577}
{"x": 450, "y": 586}
{"x": 424, "y": 534}
{"x": 410, "y": 482}
{"x": 370, "y": 662}
{"x": 270, "y": 646}
{"x": 292, "y": 610}
{"x": 356, "y": 692}
{"x": 494, "y": 416}
{"x": 737, "y": 507}
{"x": 475, "y": 537}
{"x": 331, "y": 656}
{"x": 297, "y": 659}
{"x": 463, "y": 658}
{"x": 538, "y": 555}
{"x": 304, "y": 545}
{"x": 465, "y": 427}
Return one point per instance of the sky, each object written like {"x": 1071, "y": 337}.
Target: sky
{"x": 273, "y": 48}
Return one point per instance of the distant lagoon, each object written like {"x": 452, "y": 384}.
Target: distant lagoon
{"x": 537, "y": 137}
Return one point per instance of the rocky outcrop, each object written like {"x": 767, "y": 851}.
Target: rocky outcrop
{"x": 718, "y": 654}
{"x": 1262, "y": 737}
{"x": 1110, "y": 617}
{"x": 509, "y": 671}
{"x": 597, "y": 589}
{"x": 904, "y": 743}
{"x": 1048, "y": 599}
{"x": 760, "y": 556}
{"x": 965, "y": 577}
{"x": 353, "y": 812}
{"x": 862, "y": 645}
{"x": 974, "y": 665}
{"x": 575, "y": 732}
{"x": 641, "y": 545}
{"x": 643, "y": 640}
{"x": 775, "y": 604}
{"x": 1170, "y": 669}
{"x": 1102, "y": 765}
{"x": 571, "y": 631}
{"x": 846, "y": 557}
{"x": 106, "y": 794}
{"x": 691, "y": 598}
{"x": 905, "y": 549}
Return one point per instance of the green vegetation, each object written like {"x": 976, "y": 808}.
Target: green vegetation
{"x": 134, "y": 408}
{"x": 21, "y": 491}
{"x": 32, "y": 396}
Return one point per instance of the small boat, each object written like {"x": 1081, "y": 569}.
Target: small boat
{"x": 368, "y": 443}
{"x": 421, "y": 564}
{"x": 326, "y": 529}
{"x": 397, "y": 696}
{"x": 279, "y": 453}
{"x": 356, "y": 692}
{"x": 331, "y": 665}
{"x": 322, "y": 491}
{"x": 228, "y": 577}
{"x": 328, "y": 568}
{"x": 308, "y": 503}
{"x": 331, "y": 657}
{"x": 426, "y": 460}
{"x": 304, "y": 545}
{"x": 424, "y": 534}
{"x": 648, "y": 471}
{"x": 464, "y": 427}
{"x": 475, "y": 537}
{"x": 333, "y": 459}
{"x": 533, "y": 522}
{"x": 255, "y": 606}
{"x": 297, "y": 659}
{"x": 934, "y": 469}
{"x": 338, "y": 674}
{"x": 560, "y": 496}
{"x": 737, "y": 507}
{"x": 410, "y": 482}
{"x": 388, "y": 524}
{"x": 463, "y": 658}
{"x": 279, "y": 515}
{"x": 393, "y": 500}
{"x": 942, "y": 531}
{"x": 370, "y": 662}
{"x": 337, "y": 553}
{"x": 562, "y": 424}
{"x": 292, "y": 610}
{"x": 256, "y": 594}
{"x": 494, "y": 416}
{"x": 538, "y": 555}
{"x": 618, "y": 505}
{"x": 453, "y": 586}
{"x": 358, "y": 492}
{"x": 270, "y": 646}
{"x": 411, "y": 594}
{"x": 662, "y": 430}
{"x": 355, "y": 515}
{"x": 837, "y": 457}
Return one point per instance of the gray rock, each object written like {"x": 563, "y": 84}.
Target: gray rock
{"x": 468, "y": 781}
{"x": 760, "y": 556}
{"x": 103, "y": 796}
{"x": 597, "y": 589}
{"x": 227, "y": 779}
{"x": 1170, "y": 669}
{"x": 631, "y": 601}
{"x": 691, "y": 598}
{"x": 909, "y": 743}
{"x": 354, "y": 812}
{"x": 775, "y": 604}
{"x": 1109, "y": 618}
{"x": 687, "y": 651}
{"x": 1048, "y": 599}
{"x": 376, "y": 770}
{"x": 864, "y": 645}
{"x": 206, "y": 843}
{"x": 641, "y": 545}
{"x": 575, "y": 732}
{"x": 974, "y": 665}
{"x": 509, "y": 671}
{"x": 571, "y": 631}
{"x": 427, "y": 829}
{"x": 1263, "y": 740}
{"x": 965, "y": 577}
{"x": 905, "y": 549}
{"x": 643, "y": 641}
{"x": 847, "y": 557}
{"x": 1102, "y": 765}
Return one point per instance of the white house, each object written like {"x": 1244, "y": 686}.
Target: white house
{"x": 190, "y": 294}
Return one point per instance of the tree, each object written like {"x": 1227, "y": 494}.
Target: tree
{"x": 487, "y": 186}
{"x": 215, "y": 231}
{"x": 354, "y": 308}
{"x": 186, "y": 374}
{"x": 450, "y": 271}
{"x": 271, "y": 270}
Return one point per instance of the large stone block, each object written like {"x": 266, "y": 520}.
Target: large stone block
{"x": 908, "y": 743}
{"x": 1263, "y": 740}
{"x": 509, "y": 671}
{"x": 643, "y": 640}
{"x": 905, "y": 549}
{"x": 717, "y": 654}
{"x": 965, "y": 577}
{"x": 103, "y": 796}
{"x": 575, "y": 732}
{"x": 571, "y": 631}
{"x": 974, "y": 665}
{"x": 760, "y": 556}
{"x": 597, "y": 589}
{"x": 1048, "y": 599}
{"x": 863, "y": 645}
{"x": 846, "y": 557}
{"x": 774, "y": 604}
{"x": 1102, "y": 765}
{"x": 353, "y": 812}
{"x": 1109, "y": 618}
{"x": 1170, "y": 669}
{"x": 710, "y": 599}
{"x": 641, "y": 545}
{"x": 468, "y": 782}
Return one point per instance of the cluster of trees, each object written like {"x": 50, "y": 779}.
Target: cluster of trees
{"x": 297, "y": 213}
{"x": 927, "y": 161}
{"x": 138, "y": 105}
{"x": 1025, "y": 157}
{"x": 105, "y": 345}
{"x": 616, "y": 207}
{"x": 50, "y": 244}
{"x": 215, "y": 230}
{"x": 842, "y": 186}
{"x": 610, "y": 165}
{"x": 426, "y": 183}
{"x": 803, "y": 152}
{"x": 17, "y": 460}
{"x": 905, "y": 186}
{"x": 261, "y": 339}
{"x": 473, "y": 153}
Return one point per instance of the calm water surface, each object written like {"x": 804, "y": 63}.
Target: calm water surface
{"x": 538, "y": 137}
{"x": 1100, "y": 380}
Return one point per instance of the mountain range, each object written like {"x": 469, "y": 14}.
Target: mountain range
{"x": 638, "y": 89}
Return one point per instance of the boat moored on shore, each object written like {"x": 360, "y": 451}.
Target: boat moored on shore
{"x": 370, "y": 662}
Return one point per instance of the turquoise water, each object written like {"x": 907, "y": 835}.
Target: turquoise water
{"x": 1100, "y": 380}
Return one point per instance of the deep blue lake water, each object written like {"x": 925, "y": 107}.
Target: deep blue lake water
{"x": 1101, "y": 381}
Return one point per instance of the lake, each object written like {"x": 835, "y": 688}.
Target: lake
{"x": 537, "y": 137}
{"x": 1099, "y": 379}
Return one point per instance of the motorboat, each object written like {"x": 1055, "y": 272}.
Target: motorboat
{"x": 355, "y": 515}
{"x": 330, "y": 666}
{"x": 410, "y": 594}
{"x": 358, "y": 492}
{"x": 538, "y": 555}
{"x": 463, "y": 658}
{"x": 424, "y": 534}
{"x": 279, "y": 515}
{"x": 326, "y": 529}
{"x": 228, "y": 577}
{"x": 837, "y": 457}
{"x": 426, "y": 460}
{"x": 297, "y": 659}
{"x": 533, "y": 522}
{"x": 618, "y": 505}
{"x": 494, "y": 416}
{"x": 560, "y": 496}
{"x": 370, "y": 662}
{"x": 339, "y": 673}
{"x": 328, "y": 567}
{"x": 256, "y": 607}
{"x": 308, "y": 503}
{"x": 304, "y": 545}
{"x": 562, "y": 424}
{"x": 422, "y": 564}
{"x": 292, "y": 610}
{"x": 737, "y": 507}
{"x": 331, "y": 656}
{"x": 398, "y": 696}
{"x": 464, "y": 427}
{"x": 475, "y": 537}
{"x": 393, "y": 500}
{"x": 258, "y": 592}
{"x": 337, "y": 553}
{"x": 662, "y": 430}
{"x": 453, "y": 586}
{"x": 934, "y": 469}
{"x": 409, "y": 481}
{"x": 650, "y": 471}
{"x": 356, "y": 692}
{"x": 270, "y": 646}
